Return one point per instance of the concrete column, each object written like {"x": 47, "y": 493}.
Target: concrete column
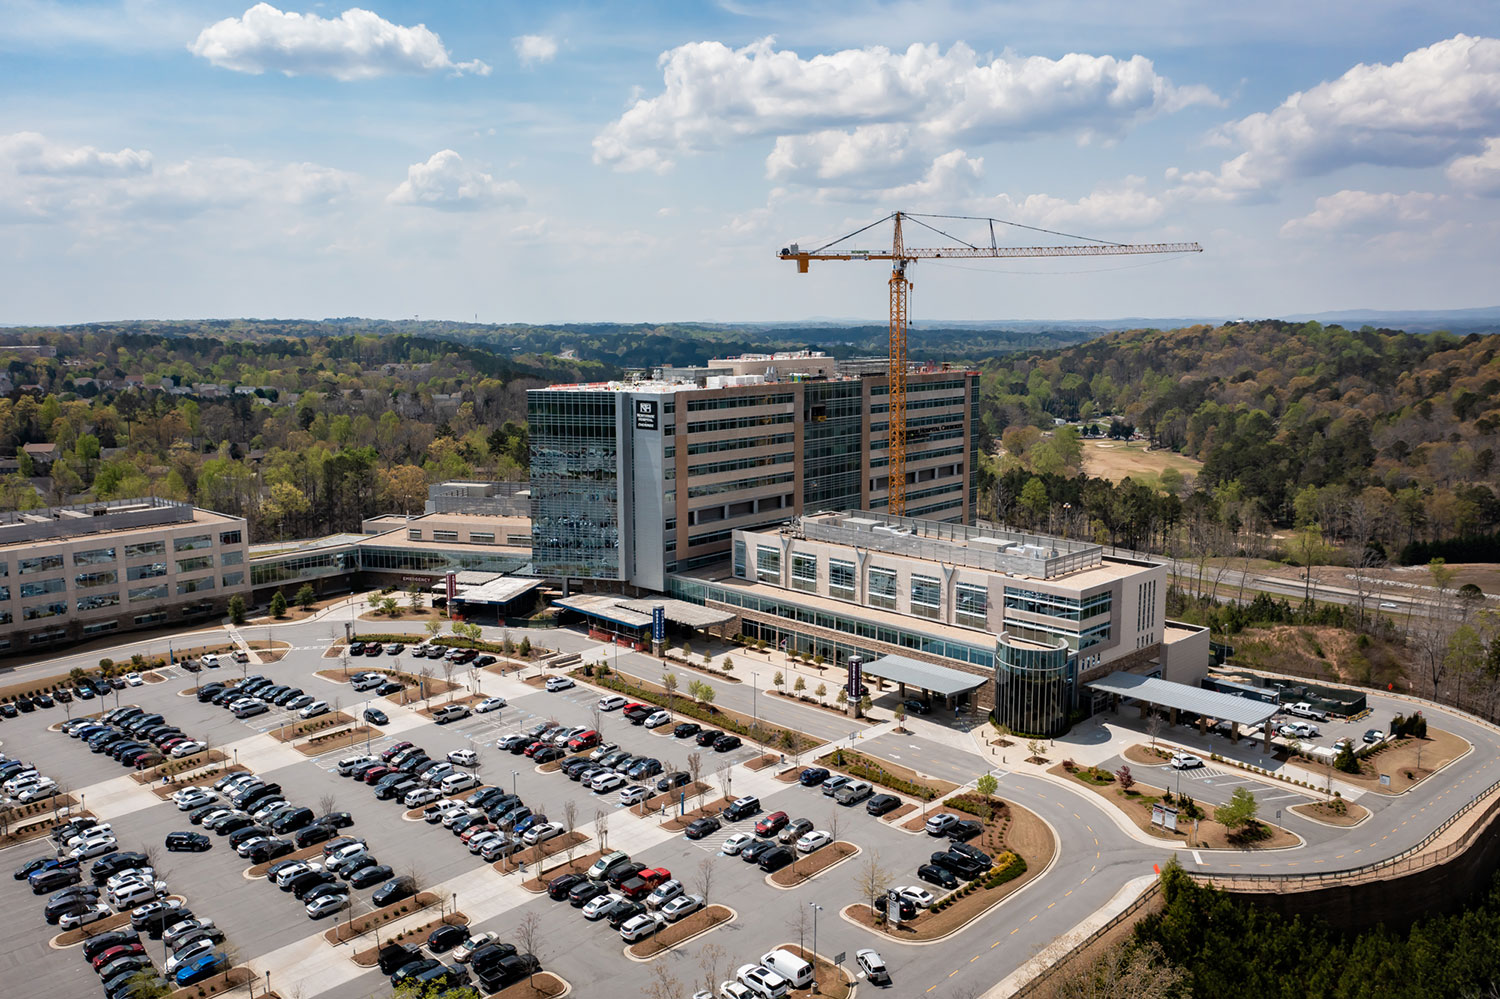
{"x": 1202, "y": 725}
{"x": 1234, "y": 732}
{"x": 1174, "y": 716}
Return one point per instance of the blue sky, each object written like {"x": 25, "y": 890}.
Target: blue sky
{"x": 640, "y": 162}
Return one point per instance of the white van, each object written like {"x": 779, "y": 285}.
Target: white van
{"x": 789, "y": 966}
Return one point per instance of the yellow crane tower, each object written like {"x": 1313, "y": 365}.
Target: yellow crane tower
{"x": 901, "y": 256}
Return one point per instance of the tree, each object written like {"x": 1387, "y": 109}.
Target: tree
{"x": 843, "y": 699}
{"x": 778, "y": 680}
{"x": 570, "y": 823}
{"x": 695, "y": 771}
{"x": 601, "y": 829}
{"x": 529, "y": 939}
{"x": 236, "y": 610}
{"x": 706, "y": 694}
{"x": 1035, "y": 748}
{"x": 821, "y": 693}
{"x": 669, "y": 684}
{"x": 703, "y": 879}
{"x": 1126, "y": 778}
{"x": 432, "y": 628}
{"x": 873, "y": 881}
{"x": 710, "y": 960}
{"x": 1153, "y": 726}
{"x": 145, "y": 984}
{"x": 278, "y": 605}
{"x": 791, "y": 744}
{"x": 524, "y": 649}
{"x": 414, "y": 596}
{"x": 900, "y": 714}
{"x": 390, "y": 606}
{"x": 306, "y": 597}
{"x": 799, "y": 686}
{"x": 1126, "y": 971}
{"x": 987, "y": 785}
{"x": 1240, "y": 811}
{"x": 326, "y": 803}
{"x": 726, "y": 779}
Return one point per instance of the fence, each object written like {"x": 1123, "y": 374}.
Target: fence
{"x": 1055, "y": 968}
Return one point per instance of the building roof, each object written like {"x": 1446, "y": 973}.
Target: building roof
{"x": 499, "y": 590}
{"x": 1166, "y": 694}
{"x": 266, "y": 549}
{"x": 681, "y": 612}
{"x": 929, "y": 676}
{"x": 603, "y": 605}
{"x": 637, "y": 613}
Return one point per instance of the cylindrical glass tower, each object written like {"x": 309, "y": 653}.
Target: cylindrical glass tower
{"x": 1032, "y": 686}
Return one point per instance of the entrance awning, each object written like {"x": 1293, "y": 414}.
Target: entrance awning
{"x": 928, "y": 676}
{"x": 1204, "y": 703}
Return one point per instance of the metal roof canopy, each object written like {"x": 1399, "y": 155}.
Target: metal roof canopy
{"x": 606, "y": 607}
{"x": 501, "y": 590}
{"x": 928, "y": 676}
{"x": 680, "y": 611}
{"x": 1167, "y": 694}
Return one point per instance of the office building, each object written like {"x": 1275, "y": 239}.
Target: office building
{"x": 633, "y": 481}
{"x": 69, "y": 573}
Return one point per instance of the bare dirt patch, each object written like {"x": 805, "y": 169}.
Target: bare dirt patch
{"x": 363, "y": 924}
{"x": 681, "y": 822}
{"x": 1336, "y": 812}
{"x": 320, "y": 744}
{"x": 1115, "y": 460}
{"x": 668, "y": 799}
{"x": 578, "y": 865}
{"x": 467, "y": 699}
{"x": 808, "y": 866}
{"x": 549, "y": 848}
{"x": 1407, "y": 761}
{"x": 370, "y": 956}
{"x": 295, "y": 731}
{"x": 899, "y": 812}
{"x": 686, "y": 928}
{"x": 69, "y": 938}
{"x": 545, "y": 985}
{"x": 761, "y": 762}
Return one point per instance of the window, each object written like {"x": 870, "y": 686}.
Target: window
{"x": 195, "y": 564}
{"x": 146, "y": 548}
{"x": 5, "y": 617}
{"x": 195, "y": 585}
{"x": 883, "y": 588}
{"x": 4, "y": 568}
{"x": 518, "y": 540}
{"x": 971, "y": 605}
{"x": 232, "y": 558}
{"x": 739, "y": 558}
{"x": 106, "y": 577}
{"x": 42, "y": 563}
{"x": 230, "y": 538}
{"x": 99, "y": 627}
{"x": 42, "y": 587}
{"x": 4, "y": 592}
{"x": 926, "y": 596}
{"x": 40, "y": 611}
{"x": 156, "y": 618}
{"x": 444, "y": 535}
{"x": 94, "y": 601}
{"x": 768, "y": 564}
{"x": 481, "y": 538}
{"x": 413, "y": 534}
{"x": 192, "y": 543}
{"x": 158, "y": 592}
{"x": 841, "y": 578}
{"x": 96, "y": 556}
{"x": 234, "y": 578}
{"x": 148, "y": 571}
{"x": 805, "y": 573}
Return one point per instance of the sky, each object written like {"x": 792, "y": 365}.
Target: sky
{"x": 644, "y": 162}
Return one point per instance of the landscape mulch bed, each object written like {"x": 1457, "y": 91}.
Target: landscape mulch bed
{"x": 668, "y": 799}
{"x": 761, "y": 762}
{"x": 179, "y": 766}
{"x": 1399, "y": 758}
{"x": 686, "y": 928}
{"x": 322, "y": 743}
{"x": 370, "y": 956}
{"x": 309, "y": 726}
{"x": 1325, "y": 811}
{"x": 790, "y": 775}
{"x": 679, "y": 823}
{"x": 232, "y": 979}
{"x": 548, "y": 848}
{"x": 545, "y": 985}
{"x": 70, "y": 938}
{"x": 412, "y": 693}
{"x": 197, "y": 780}
{"x": 899, "y": 812}
{"x": 833, "y": 981}
{"x": 1145, "y": 756}
{"x": 306, "y": 853}
{"x": 810, "y": 865}
{"x": 578, "y": 865}
{"x": 939, "y": 788}
{"x": 917, "y": 823}
{"x": 363, "y": 924}
{"x": 553, "y": 766}
{"x": 470, "y": 699}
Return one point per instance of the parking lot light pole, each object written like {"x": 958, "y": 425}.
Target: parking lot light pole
{"x": 754, "y": 704}
{"x": 816, "y": 908}
{"x": 513, "y": 775}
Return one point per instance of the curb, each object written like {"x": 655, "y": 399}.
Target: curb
{"x": 733, "y": 916}
{"x": 812, "y": 877}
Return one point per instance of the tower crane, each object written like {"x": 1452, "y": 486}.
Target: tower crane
{"x": 902, "y": 256}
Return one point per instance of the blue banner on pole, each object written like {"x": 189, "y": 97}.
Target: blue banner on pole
{"x": 658, "y": 623}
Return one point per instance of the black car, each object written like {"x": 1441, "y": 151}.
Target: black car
{"x": 29, "y": 868}
{"x": 775, "y": 859}
{"x": 393, "y": 891}
{"x": 445, "y": 938}
{"x": 197, "y": 815}
{"x": 396, "y": 956}
{"x": 624, "y": 912}
{"x": 313, "y": 834}
{"x": 687, "y": 730}
{"x": 336, "y": 820}
{"x": 367, "y": 876}
{"x": 623, "y": 873}
{"x": 101, "y": 942}
{"x": 548, "y": 753}
{"x": 489, "y": 955}
{"x": 515, "y": 744}
{"x": 390, "y": 687}
{"x": 108, "y": 866}
{"x": 972, "y": 852}
{"x": 673, "y": 780}
{"x": 188, "y": 842}
{"x": 307, "y": 882}
{"x": 51, "y": 880}
{"x": 700, "y": 828}
{"x": 413, "y": 969}
{"x": 25, "y": 703}
{"x": 8, "y": 710}
{"x": 584, "y": 892}
{"x": 961, "y": 832}
{"x": 935, "y": 875}
{"x": 66, "y": 901}
{"x": 907, "y": 910}
{"x": 882, "y": 803}
{"x": 812, "y": 776}
{"x": 558, "y": 888}
{"x": 965, "y": 867}
{"x": 376, "y": 717}
{"x": 750, "y": 852}
{"x": 707, "y": 736}
{"x": 917, "y": 707}
{"x": 726, "y": 743}
{"x": 271, "y": 849}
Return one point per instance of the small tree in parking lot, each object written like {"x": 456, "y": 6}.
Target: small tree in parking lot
{"x": 236, "y": 610}
{"x": 306, "y": 597}
{"x": 1240, "y": 811}
{"x": 278, "y": 605}
{"x": 601, "y": 829}
{"x": 703, "y": 879}
{"x": 695, "y": 773}
{"x": 900, "y": 715}
{"x": 529, "y": 938}
{"x": 569, "y": 823}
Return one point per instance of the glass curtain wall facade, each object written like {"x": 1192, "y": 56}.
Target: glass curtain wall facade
{"x": 833, "y": 445}
{"x": 1033, "y": 687}
{"x": 575, "y": 483}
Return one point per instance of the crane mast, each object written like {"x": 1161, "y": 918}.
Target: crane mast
{"x": 901, "y": 256}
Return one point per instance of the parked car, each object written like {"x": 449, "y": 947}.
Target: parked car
{"x": 556, "y": 683}
{"x": 699, "y": 828}
{"x": 1185, "y": 761}
{"x": 882, "y": 804}
{"x": 188, "y": 842}
{"x": 938, "y": 825}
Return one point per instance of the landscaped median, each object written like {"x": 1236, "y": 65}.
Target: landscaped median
{"x": 538, "y": 884}
{"x": 306, "y": 853}
{"x": 179, "y": 766}
{"x": 197, "y": 779}
{"x": 349, "y": 929}
{"x": 228, "y": 981}
{"x": 307, "y": 726}
{"x": 542, "y": 985}
{"x": 326, "y": 741}
{"x": 809, "y": 865}
{"x": 370, "y": 956}
{"x": 833, "y": 981}
{"x": 683, "y": 930}
{"x": 412, "y": 692}
{"x": 886, "y": 774}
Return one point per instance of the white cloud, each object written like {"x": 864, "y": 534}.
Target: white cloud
{"x": 1437, "y": 102}
{"x": 357, "y": 45}
{"x": 447, "y": 183}
{"x": 33, "y": 153}
{"x": 1478, "y": 174}
{"x": 533, "y": 49}
{"x": 1352, "y": 211}
{"x": 1123, "y": 205}
{"x": 950, "y": 179}
{"x": 900, "y": 106}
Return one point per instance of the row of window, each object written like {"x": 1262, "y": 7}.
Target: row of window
{"x": 740, "y": 464}
{"x": 911, "y": 404}
{"x": 741, "y": 401}
{"x": 738, "y": 485}
{"x": 736, "y": 444}
{"x": 1054, "y": 605}
{"x": 739, "y": 423}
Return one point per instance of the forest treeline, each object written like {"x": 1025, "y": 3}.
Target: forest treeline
{"x": 1365, "y": 435}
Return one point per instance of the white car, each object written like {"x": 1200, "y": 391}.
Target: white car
{"x": 134, "y": 679}
{"x": 314, "y": 709}
{"x": 762, "y": 980}
{"x": 463, "y": 757}
{"x": 657, "y": 718}
{"x": 634, "y": 793}
{"x": 36, "y": 792}
{"x": 556, "y": 683}
{"x": 248, "y": 846}
{"x": 682, "y": 905}
{"x": 612, "y": 702}
{"x": 146, "y": 874}
{"x": 90, "y": 833}
{"x": 599, "y": 906}
{"x": 190, "y": 953}
{"x": 940, "y": 823}
{"x": 289, "y": 874}
{"x": 640, "y": 927}
{"x": 484, "y": 839}
{"x": 1185, "y": 761}
{"x": 489, "y": 704}
{"x": 733, "y": 990}
{"x": 187, "y": 748}
{"x": 209, "y": 659}
{"x": 93, "y": 913}
{"x": 664, "y": 893}
{"x": 542, "y": 833}
{"x": 421, "y": 796}
{"x": 466, "y": 950}
{"x": 193, "y": 797}
{"x": 920, "y": 897}
{"x": 93, "y": 848}
{"x": 815, "y": 840}
{"x": 734, "y": 844}
{"x": 607, "y": 781}
{"x": 601, "y": 752}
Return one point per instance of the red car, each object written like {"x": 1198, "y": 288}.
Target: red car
{"x": 645, "y": 882}
{"x": 531, "y": 750}
{"x": 393, "y": 750}
{"x": 377, "y": 773}
{"x": 771, "y": 824}
{"x": 100, "y": 960}
{"x": 584, "y": 740}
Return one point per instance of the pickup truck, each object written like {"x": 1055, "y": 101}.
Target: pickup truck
{"x": 644, "y": 883}
{"x": 1302, "y": 709}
